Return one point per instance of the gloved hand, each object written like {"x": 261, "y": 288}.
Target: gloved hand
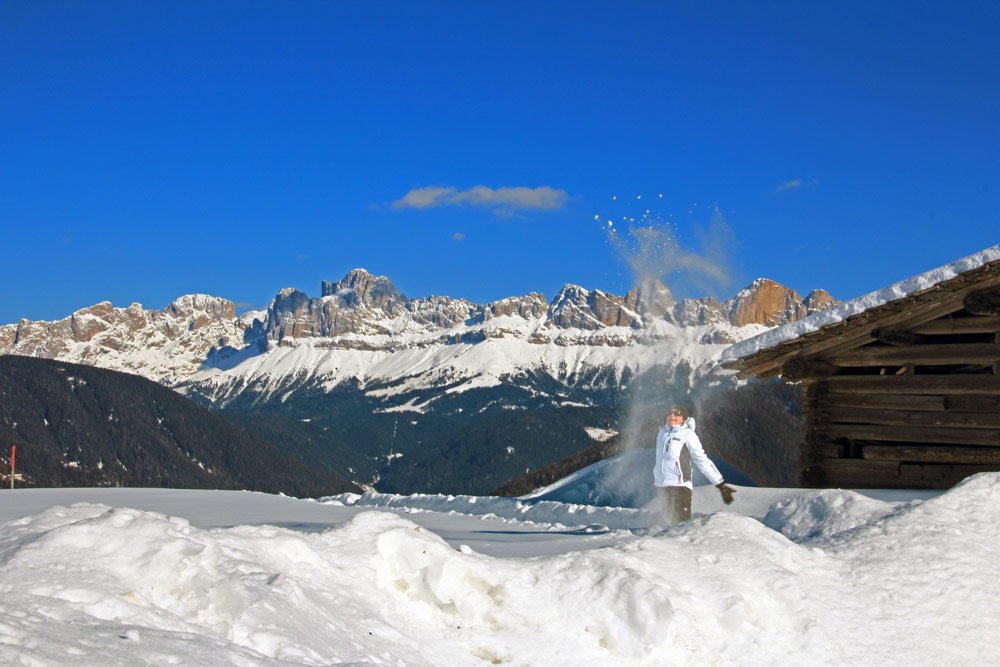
{"x": 726, "y": 491}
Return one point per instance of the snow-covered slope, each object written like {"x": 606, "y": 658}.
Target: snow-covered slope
{"x": 400, "y": 365}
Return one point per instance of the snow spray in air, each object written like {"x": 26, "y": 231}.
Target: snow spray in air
{"x": 663, "y": 270}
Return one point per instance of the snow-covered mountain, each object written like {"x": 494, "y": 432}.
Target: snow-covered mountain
{"x": 163, "y": 345}
{"x": 469, "y": 396}
{"x": 362, "y": 330}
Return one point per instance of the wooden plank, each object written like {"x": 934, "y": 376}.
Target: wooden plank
{"x": 947, "y": 474}
{"x": 933, "y": 454}
{"x": 865, "y": 474}
{"x": 801, "y": 368}
{"x": 897, "y": 337}
{"x": 914, "y": 402}
{"x": 945, "y": 436}
{"x": 951, "y": 354}
{"x": 944, "y": 418}
{"x": 972, "y": 403}
{"x": 959, "y": 325}
{"x": 982, "y": 302}
{"x": 830, "y": 450}
{"x": 914, "y": 384}
{"x": 853, "y": 473}
{"x": 818, "y": 447}
{"x": 996, "y": 366}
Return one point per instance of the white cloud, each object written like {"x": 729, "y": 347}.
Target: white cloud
{"x": 458, "y": 236}
{"x": 425, "y": 197}
{"x": 502, "y": 201}
{"x": 795, "y": 183}
{"x": 790, "y": 185}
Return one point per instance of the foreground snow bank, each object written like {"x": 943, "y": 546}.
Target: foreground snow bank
{"x": 832, "y": 578}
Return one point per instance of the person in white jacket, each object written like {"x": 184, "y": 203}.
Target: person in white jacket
{"x": 677, "y": 445}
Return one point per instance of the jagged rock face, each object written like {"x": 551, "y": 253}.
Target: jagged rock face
{"x": 8, "y": 336}
{"x": 166, "y": 345}
{"x": 88, "y": 322}
{"x": 359, "y": 304}
{"x": 441, "y": 312}
{"x": 360, "y": 288}
{"x": 569, "y": 309}
{"x": 698, "y": 312}
{"x": 577, "y": 308}
{"x": 766, "y": 302}
{"x": 529, "y": 307}
{"x": 200, "y": 306}
{"x": 291, "y": 316}
{"x": 611, "y": 311}
{"x": 819, "y": 300}
{"x": 651, "y": 298}
{"x": 42, "y": 339}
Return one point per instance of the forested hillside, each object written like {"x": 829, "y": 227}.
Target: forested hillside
{"x": 77, "y": 425}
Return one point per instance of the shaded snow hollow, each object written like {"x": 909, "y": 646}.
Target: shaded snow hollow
{"x": 783, "y": 576}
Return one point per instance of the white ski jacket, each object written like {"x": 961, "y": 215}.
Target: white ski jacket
{"x": 673, "y": 464}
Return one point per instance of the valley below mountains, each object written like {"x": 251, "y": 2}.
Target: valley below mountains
{"x": 433, "y": 394}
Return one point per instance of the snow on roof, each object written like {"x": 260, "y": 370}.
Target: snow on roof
{"x": 900, "y": 290}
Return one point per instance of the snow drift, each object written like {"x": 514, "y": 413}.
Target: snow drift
{"x": 827, "y": 578}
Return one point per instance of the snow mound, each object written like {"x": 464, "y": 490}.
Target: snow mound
{"x": 834, "y": 578}
{"x": 150, "y": 589}
{"x": 446, "y": 592}
{"x": 820, "y": 515}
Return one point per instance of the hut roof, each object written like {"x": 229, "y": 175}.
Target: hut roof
{"x": 932, "y": 294}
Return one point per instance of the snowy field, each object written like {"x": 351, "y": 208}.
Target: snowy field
{"x": 781, "y": 577}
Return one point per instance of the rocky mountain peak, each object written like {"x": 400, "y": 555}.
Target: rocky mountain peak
{"x": 360, "y": 303}
{"x": 819, "y": 299}
{"x": 578, "y": 308}
{"x": 165, "y": 345}
{"x": 766, "y": 302}
{"x": 441, "y": 311}
{"x": 360, "y": 288}
{"x": 201, "y": 304}
{"x": 196, "y": 330}
{"x": 529, "y": 307}
{"x": 650, "y": 297}
{"x": 698, "y": 312}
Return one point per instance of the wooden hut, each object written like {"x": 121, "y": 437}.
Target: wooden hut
{"x": 901, "y": 388}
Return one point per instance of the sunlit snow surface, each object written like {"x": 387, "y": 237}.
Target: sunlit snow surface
{"x": 781, "y": 577}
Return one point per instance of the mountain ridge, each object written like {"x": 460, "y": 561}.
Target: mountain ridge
{"x": 366, "y": 311}
{"x": 436, "y": 393}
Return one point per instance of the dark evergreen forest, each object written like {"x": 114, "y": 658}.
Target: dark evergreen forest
{"x": 77, "y": 425}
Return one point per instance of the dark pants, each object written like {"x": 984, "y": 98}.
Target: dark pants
{"x": 676, "y": 503}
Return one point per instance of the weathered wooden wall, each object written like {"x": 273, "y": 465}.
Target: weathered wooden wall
{"x": 915, "y": 408}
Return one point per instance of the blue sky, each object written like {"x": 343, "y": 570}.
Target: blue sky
{"x": 153, "y": 149}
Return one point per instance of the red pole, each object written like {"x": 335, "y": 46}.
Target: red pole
{"x": 13, "y": 452}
